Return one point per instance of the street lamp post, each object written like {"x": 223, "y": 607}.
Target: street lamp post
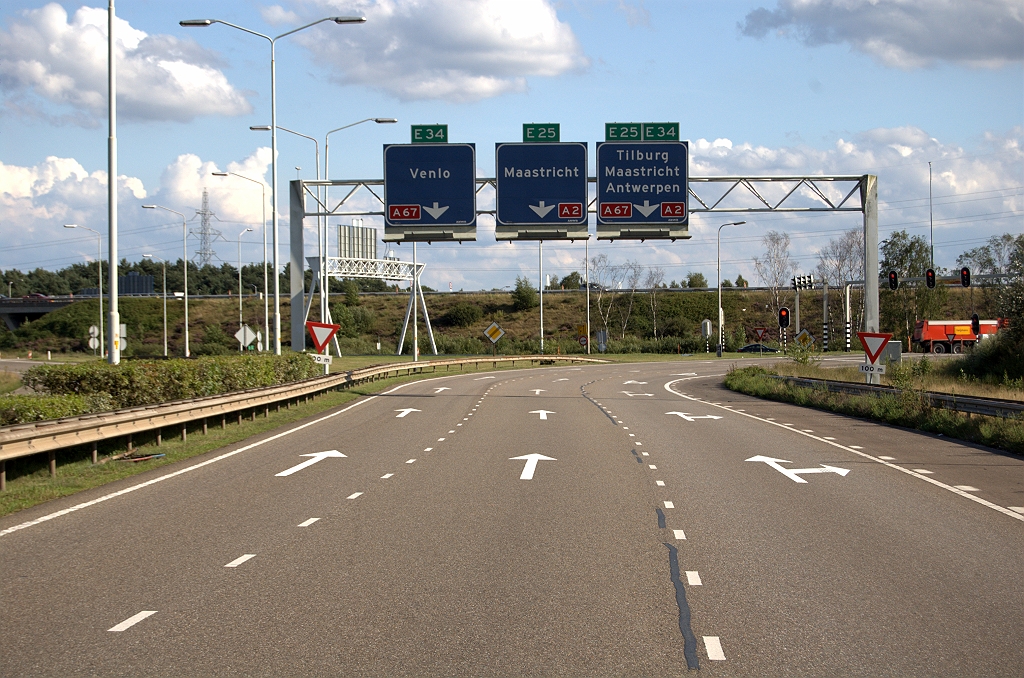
{"x": 721, "y": 315}
{"x": 164, "y": 262}
{"x": 184, "y": 262}
{"x": 99, "y": 265}
{"x": 273, "y": 137}
{"x": 241, "y": 347}
{"x": 266, "y": 295}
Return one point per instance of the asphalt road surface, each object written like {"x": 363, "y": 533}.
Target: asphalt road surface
{"x": 634, "y": 520}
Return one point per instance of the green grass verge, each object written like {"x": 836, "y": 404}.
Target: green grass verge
{"x": 907, "y": 409}
{"x": 9, "y": 381}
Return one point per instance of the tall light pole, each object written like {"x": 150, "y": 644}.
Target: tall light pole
{"x": 721, "y": 315}
{"x": 184, "y": 262}
{"x": 931, "y": 224}
{"x": 266, "y": 295}
{"x": 114, "y": 340}
{"x": 273, "y": 137}
{"x": 240, "y": 346}
{"x": 99, "y": 266}
{"x": 164, "y": 262}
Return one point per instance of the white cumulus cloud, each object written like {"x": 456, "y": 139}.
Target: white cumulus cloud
{"x": 902, "y": 33}
{"x": 63, "y": 61}
{"x": 455, "y": 50}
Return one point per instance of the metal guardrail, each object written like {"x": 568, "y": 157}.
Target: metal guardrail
{"x": 49, "y": 436}
{"x": 990, "y": 407}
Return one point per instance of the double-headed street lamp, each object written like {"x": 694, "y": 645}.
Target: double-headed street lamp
{"x": 164, "y": 262}
{"x": 184, "y": 261}
{"x": 721, "y": 315}
{"x": 99, "y": 265}
{"x": 273, "y": 137}
{"x": 240, "y": 346}
{"x": 266, "y": 295}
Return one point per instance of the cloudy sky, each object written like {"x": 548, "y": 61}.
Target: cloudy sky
{"x": 758, "y": 86}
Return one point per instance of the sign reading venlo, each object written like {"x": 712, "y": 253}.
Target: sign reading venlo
{"x": 642, "y": 189}
{"x": 429, "y": 192}
{"x": 541, "y": 191}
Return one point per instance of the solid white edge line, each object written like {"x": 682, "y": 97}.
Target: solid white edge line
{"x": 950, "y": 488}
{"x": 132, "y": 621}
{"x": 79, "y": 507}
{"x": 307, "y": 523}
{"x": 714, "y": 648}
{"x": 241, "y": 559}
{"x": 693, "y": 578}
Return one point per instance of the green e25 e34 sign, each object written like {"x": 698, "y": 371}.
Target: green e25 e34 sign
{"x": 430, "y": 134}
{"x": 535, "y": 132}
{"x": 641, "y": 131}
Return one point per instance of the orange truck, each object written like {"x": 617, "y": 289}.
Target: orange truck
{"x": 952, "y": 336}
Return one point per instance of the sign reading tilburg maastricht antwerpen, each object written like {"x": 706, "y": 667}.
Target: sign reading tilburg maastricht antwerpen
{"x": 642, "y": 190}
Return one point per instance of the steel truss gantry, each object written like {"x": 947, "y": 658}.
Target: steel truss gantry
{"x": 709, "y": 195}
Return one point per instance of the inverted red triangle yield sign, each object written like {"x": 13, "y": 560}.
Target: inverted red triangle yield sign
{"x": 322, "y": 333}
{"x": 873, "y": 343}
{"x": 760, "y": 332}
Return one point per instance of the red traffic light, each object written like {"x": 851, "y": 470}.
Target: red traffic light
{"x": 965, "y": 276}
{"x": 894, "y": 280}
{"x": 783, "y": 317}
{"x": 929, "y": 278}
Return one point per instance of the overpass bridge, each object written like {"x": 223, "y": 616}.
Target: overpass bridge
{"x": 16, "y": 312}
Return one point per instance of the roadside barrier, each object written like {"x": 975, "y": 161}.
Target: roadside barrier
{"x": 38, "y": 437}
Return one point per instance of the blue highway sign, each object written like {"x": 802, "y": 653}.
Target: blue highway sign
{"x": 642, "y": 190}
{"x": 541, "y": 191}
{"x": 429, "y": 192}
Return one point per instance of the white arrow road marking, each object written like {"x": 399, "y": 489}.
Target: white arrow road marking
{"x": 636, "y": 394}
{"x": 435, "y": 211}
{"x": 542, "y": 210}
{"x": 405, "y": 412}
{"x": 646, "y": 208}
{"x": 543, "y": 413}
{"x": 538, "y": 391}
{"x": 132, "y": 621}
{"x": 531, "y": 463}
{"x": 794, "y": 473}
{"x": 633, "y": 382}
{"x": 562, "y": 379}
{"x": 316, "y": 456}
{"x": 441, "y": 388}
{"x": 693, "y": 417}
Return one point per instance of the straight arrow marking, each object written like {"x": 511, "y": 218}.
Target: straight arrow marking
{"x": 405, "y": 412}
{"x": 531, "y": 463}
{"x": 538, "y": 391}
{"x": 316, "y": 456}
{"x": 441, "y": 388}
{"x": 543, "y": 413}
{"x": 693, "y": 417}
{"x": 794, "y": 473}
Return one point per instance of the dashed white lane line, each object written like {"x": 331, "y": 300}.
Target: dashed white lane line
{"x": 458, "y": 424}
{"x": 652, "y": 467}
{"x": 639, "y": 443}
{"x": 679, "y": 534}
{"x": 451, "y": 431}
{"x": 887, "y": 458}
{"x": 714, "y": 647}
{"x": 632, "y": 435}
{"x": 828, "y": 437}
{"x": 427, "y": 449}
{"x": 669, "y": 504}
{"x": 924, "y": 471}
{"x": 307, "y": 523}
{"x": 241, "y": 559}
{"x": 659, "y": 483}
{"x": 440, "y": 440}
{"x": 386, "y": 476}
{"x": 645, "y": 454}
{"x": 625, "y": 428}
{"x": 693, "y": 578}
{"x": 353, "y": 495}
{"x": 967, "y": 488}
{"x": 132, "y": 621}
{"x": 410, "y": 461}
{"x": 917, "y": 473}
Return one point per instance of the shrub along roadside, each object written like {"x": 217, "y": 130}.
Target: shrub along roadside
{"x": 907, "y": 409}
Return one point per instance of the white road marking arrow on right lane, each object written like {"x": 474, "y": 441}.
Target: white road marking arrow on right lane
{"x": 543, "y": 413}
{"x": 405, "y": 412}
{"x": 441, "y": 388}
{"x": 538, "y": 391}
{"x": 531, "y": 464}
{"x": 693, "y": 417}
{"x": 316, "y": 456}
{"x": 793, "y": 473}
{"x": 636, "y": 394}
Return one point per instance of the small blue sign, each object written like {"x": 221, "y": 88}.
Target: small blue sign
{"x": 642, "y": 182}
{"x": 429, "y": 186}
{"x": 541, "y": 184}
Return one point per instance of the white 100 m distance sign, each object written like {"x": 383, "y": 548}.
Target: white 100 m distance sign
{"x": 642, "y": 190}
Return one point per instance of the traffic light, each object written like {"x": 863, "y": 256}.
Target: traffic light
{"x": 929, "y": 278}
{"x": 783, "y": 317}
{"x": 894, "y": 280}
{"x": 976, "y": 325}
{"x": 965, "y": 276}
